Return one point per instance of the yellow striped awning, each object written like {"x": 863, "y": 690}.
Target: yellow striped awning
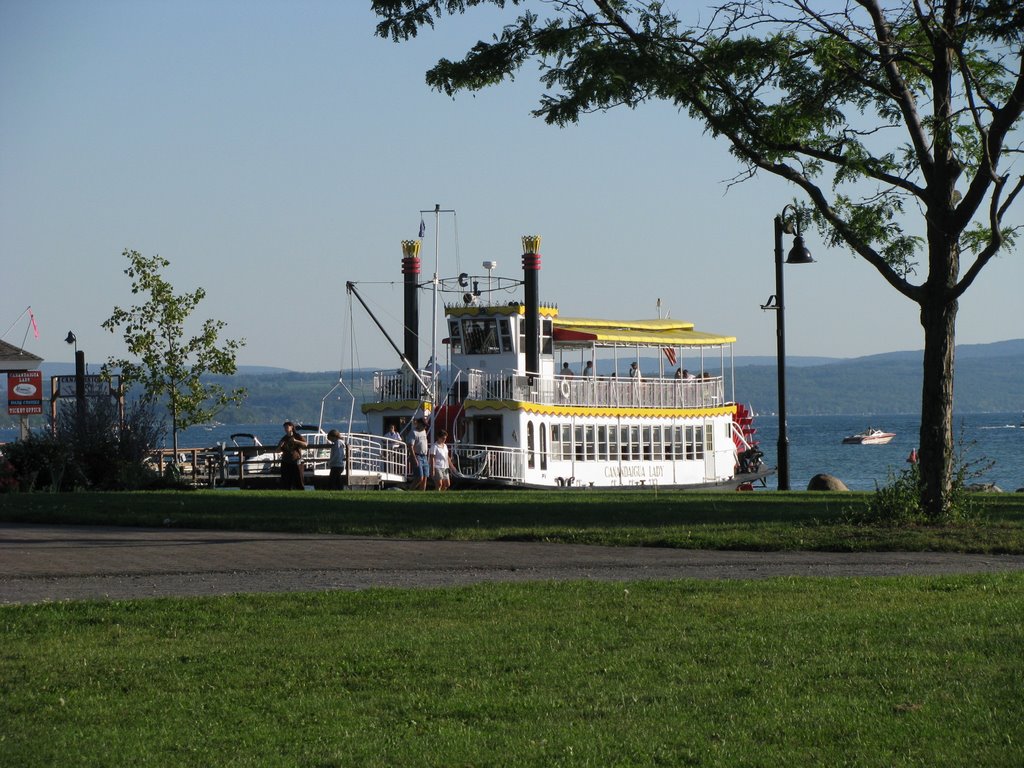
{"x": 657, "y": 332}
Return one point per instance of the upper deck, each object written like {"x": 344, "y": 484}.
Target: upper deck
{"x": 506, "y": 389}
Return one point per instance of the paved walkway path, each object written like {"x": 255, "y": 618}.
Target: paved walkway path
{"x": 39, "y": 563}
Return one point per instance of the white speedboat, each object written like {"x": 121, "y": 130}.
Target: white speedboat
{"x": 515, "y": 419}
{"x": 870, "y": 436}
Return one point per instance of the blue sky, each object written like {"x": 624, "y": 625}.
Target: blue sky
{"x": 274, "y": 150}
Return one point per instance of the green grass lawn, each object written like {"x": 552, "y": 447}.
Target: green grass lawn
{"x": 748, "y": 521}
{"x": 786, "y": 672}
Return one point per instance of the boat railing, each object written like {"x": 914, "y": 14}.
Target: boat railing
{"x": 376, "y": 454}
{"x": 492, "y": 462}
{"x": 390, "y": 386}
{"x": 598, "y": 391}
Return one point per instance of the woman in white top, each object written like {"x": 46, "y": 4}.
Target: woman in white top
{"x": 440, "y": 464}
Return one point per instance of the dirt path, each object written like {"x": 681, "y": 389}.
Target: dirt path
{"x": 39, "y": 563}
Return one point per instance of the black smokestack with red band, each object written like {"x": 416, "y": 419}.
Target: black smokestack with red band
{"x": 531, "y": 291}
{"x": 411, "y": 273}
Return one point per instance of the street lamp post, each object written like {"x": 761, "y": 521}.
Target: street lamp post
{"x": 798, "y": 254}
{"x": 79, "y": 380}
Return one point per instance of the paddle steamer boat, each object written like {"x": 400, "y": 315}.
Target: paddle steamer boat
{"x": 514, "y": 419}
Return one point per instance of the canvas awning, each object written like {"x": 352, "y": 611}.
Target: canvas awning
{"x": 569, "y": 331}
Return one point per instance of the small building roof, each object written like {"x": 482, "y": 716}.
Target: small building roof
{"x": 14, "y": 358}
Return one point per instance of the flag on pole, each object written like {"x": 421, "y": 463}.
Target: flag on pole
{"x": 32, "y": 318}
{"x": 423, "y": 228}
{"x": 670, "y": 353}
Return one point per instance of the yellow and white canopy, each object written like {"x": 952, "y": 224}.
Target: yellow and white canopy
{"x": 656, "y": 333}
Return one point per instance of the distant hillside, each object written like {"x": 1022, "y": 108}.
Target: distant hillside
{"x": 989, "y": 377}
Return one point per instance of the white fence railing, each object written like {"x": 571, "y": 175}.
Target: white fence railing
{"x": 490, "y": 462}
{"x": 598, "y": 391}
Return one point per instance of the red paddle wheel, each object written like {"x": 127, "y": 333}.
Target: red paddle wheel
{"x": 743, "y": 419}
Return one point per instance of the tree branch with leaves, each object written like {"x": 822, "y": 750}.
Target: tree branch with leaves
{"x": 899, "y": 121}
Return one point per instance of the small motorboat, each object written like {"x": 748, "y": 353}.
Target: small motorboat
{"x": 870, "y": 436}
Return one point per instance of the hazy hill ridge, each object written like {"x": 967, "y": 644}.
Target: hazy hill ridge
{"x": 989, "y": 377}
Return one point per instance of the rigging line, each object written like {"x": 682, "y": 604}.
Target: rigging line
{"x": 458, "y": 258}
{"x": 16, "y": 322}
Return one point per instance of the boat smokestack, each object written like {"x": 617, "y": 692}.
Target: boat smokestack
{"x": 531, "y": 289}
{"x": 411, "y": 322}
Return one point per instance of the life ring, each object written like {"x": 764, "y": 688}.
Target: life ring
{"x": 564, "y": 386}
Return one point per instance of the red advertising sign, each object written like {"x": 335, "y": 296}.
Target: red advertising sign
{"x": 25, "y": 393}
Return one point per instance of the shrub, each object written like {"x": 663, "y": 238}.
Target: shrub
{"x": 898, "y": 502}
{"x": 39, "y": 460}
{"x": 96, "y": 451}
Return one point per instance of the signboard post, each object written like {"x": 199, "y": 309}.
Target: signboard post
{"x": 92, "y": 386}
{"x": 25, "y": 393}
{"x": 24, "y": 396}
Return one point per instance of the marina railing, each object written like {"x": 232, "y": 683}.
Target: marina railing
{"x": 370, "y": 454}
{"x": 598, "y": 391}
{"x": 492, "y": 462}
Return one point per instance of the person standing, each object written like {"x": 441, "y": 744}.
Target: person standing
{"x": 440, "y": 462}
{"x": 418, "y": 448}
{"x": 336, "y": 464}
{"x": 291, "y": 445}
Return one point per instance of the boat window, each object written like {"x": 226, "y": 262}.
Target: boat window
{"x": 543, "y": 446}
{"x": 634, "y": 443}
{"x": 545, "y": 335}
{"x": 679, "y": 442}
{"x": 579, "y": 445}
{"x": 556, "y": 444}
{"x": 709, "y": 438}
{"x": 648, "y": 442}
{"x": 505, "y": 332}
{"x": 657, "y": 445}
{"x": 589, "y": 439}
{"x": 481, "y": 336}
{"x": 455, "y": 336}
{"x": 624, "y": 443}
{"x": 602, "y": 443}
{"x": 566, "y": 442}
{"x": 613, "y": 443}
{"x": 530, "y": 456}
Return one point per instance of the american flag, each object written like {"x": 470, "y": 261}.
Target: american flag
{"x": 670, "y": 353}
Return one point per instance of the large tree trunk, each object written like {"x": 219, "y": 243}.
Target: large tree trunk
{"x": 938, "y": 317}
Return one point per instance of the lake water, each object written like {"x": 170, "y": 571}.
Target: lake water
{"x": 815, "y": 445}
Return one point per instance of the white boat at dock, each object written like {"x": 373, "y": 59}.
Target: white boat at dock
{"x": 514, "y": 420}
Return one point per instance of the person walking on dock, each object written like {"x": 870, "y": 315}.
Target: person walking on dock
{"x": 418, "y": 448}
{"x": 336, "y": 480}
{"x": 291, "y": 446}
{"x": 440, "y": 462}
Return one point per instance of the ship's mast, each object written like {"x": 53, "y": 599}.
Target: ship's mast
{"x": 435, "y": 282}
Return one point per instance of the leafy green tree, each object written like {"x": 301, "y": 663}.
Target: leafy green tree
{"x": 164, "y": 362}
{"x": 897, "y": 121}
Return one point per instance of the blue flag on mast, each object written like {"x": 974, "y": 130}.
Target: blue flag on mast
{"x": 423, "y": 228}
